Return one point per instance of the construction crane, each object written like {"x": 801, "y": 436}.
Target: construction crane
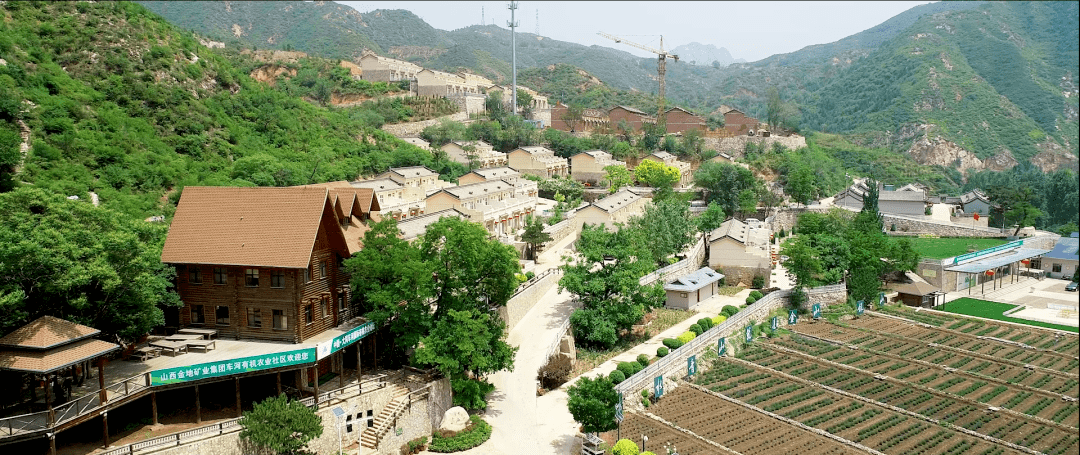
{"x": 661, "y": 62}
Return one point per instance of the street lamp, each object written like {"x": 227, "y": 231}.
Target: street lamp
{"x": 644, "y": 439}
{"x": 338, "y": 412}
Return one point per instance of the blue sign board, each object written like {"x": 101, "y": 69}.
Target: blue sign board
{"x": 775, "y": 323}
{"x": 232, "y": 366}
{"x": 691, "y": 365}
{"x": 749, "y": 333}
{"x": 881, "y": 300}
{"x": 341, "y": 341}
{"x": 619, "y": 409}
{"x": 658, "y": 386}
{"x": 816, "y": 312}
{"x": 860, "y": 308}
{"x": 721, "y": 346}
{"x": 792, "y": 317}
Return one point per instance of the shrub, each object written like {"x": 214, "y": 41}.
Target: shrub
{"x": 470, "y": 393}
{"x": 750, "y": 299}
{"x": 893, "y": 227}
{"x": 645, "y": 393}
{"x": 686, "y": 337}
{"x": 758, "y": 282}
{"x": 555, "y": 372}
{"x": 616, "y": 377}
{"x": 530, "y": 275}
{"x": 729, "y": 310}
{"x": 661, "y": 351}
{"x": 627, "y": 368}
{"x": 625, "y": 447}
{"x": 719, "y": 319}
{"x": 757, "y": 294}
{"x": 673, "y": 343}
{"x": 475, "y": 434}
{"x": 705, "y": 323}
{"x": 781, "y": 234}
{"x": 643, "y": 360}
{"x": 414, "y": 446}
{"x": 696, "y": 329}
{"x": 646, "y": 453}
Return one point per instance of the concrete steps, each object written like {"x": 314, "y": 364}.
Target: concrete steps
{"x": 389, "y": 413}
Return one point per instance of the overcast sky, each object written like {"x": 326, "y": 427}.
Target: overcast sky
{"x": 748, "y": 30}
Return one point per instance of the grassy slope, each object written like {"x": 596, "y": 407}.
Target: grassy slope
{"x": 994, "y": 310}
{"x": 948, "y": 247}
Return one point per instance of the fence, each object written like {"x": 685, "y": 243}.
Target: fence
{"x": 39, "y": 421}
{"x": 677, "y": 358}
{"x": 694, "y": 256}
{"x": 554, "y": 345}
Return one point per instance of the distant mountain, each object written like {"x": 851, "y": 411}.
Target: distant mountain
{"x": 705, "y": 54}
{"x": 989, "y": 84}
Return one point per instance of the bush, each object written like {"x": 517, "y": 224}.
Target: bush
{"x": 758, "y": 282}
{"x": 646, "y": 453}
{"x": 616, "y": 377}
{"x": 719, "y": 319}
{"x": 781, "y": 234}
{"x": 625, "y": 447}
{"x": 645, "y": 393}
{"x": 473, "y": 435}
{"x": 696, "y": 329}
{"x": 750, "y": 299}
{"x": 893, "y": 227}
{"x": 555, "y": 372}
{"x": 728, "y": 310}
{"x": 643, "y": 360}
{"x": 661, "y": 351}
{"x": 414, "y": 446}
{"x": 686, "y": 337}
{"x": 530, "y": 275}
{"x": 757, "y": 294}
{"x": 673, "y": 343}
{"x": 470, "y": 393}
{"x": 627, "y": 368}
{"x": 705, "y": 323}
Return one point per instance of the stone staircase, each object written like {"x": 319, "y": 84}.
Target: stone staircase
{"x": 385, "y": 420}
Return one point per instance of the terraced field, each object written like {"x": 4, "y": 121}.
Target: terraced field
{"x": 898, "y": 386}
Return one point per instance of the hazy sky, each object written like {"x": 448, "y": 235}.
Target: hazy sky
{"x": 749, "y": 30}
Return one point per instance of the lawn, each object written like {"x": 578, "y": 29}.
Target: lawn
{"x": 942, "y": 248}
{"x": 993, "y": 310}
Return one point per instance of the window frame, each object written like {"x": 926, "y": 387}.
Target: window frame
{"x": 309, "y": 314}
{"x": 197, "y": 310}
{"x": 218, "y": 318}
{"x": 1055, "y": 267}
{"x": 324, "y": 270}
{"x": 277, "y": 275}
{"x": 251, "y": 278}
{"x": 279, "y": 315}
{"x": 194, "y": 275}
{"x": 221, "y": 276}
{"x": 254, "y": 318}
{"x": 324, "y": 305}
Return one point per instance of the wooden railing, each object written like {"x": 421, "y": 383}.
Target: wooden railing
{"x": 40, "y": 421}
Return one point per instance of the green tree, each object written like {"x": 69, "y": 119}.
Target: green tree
{"x": 468, "y": 341}
{"x": 800, "y": 184}
{"x": 87, "y": 264}
{"x": 524, "y": 103}
{"x": 394, "y": 285}
{"x": 443, "y": 132}
{"x": 710, "y": 219}
{"x": 656, "y": 174}
{"x": 573, "y": 116}
{"x": 616, "y": 176}
{"x": 773, "y": 107}
{"x": 725, "y": 183}
{"x": 533, "y": 236}
{"x": 471, "y": 269}
{"x": 592, "y": 403}
{"x": 494, "y": 106}
{"x": 668, "y": 227}
{"x": 281, "y": 425}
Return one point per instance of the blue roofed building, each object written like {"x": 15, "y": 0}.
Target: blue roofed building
{"x": 1061, "y": 262}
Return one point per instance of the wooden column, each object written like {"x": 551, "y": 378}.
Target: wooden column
{"x": 316, "y": 385}
{"x": 48, "y": 400}
{"x": 105, "y": 428}
{"x": 198, "y": 406}
{"x": 103, "y": 396}
{"x": 341, "y": 369}
{"x": 238, "y": 405}
{"x": 359, "y": 376}
{"x": 279, "y": 383}
{"x": 153, "y": 406}
{"x": 52, "y": 443}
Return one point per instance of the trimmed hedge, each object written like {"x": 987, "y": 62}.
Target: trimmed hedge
{"x": 695, "y": 328}
{"x": 705, "y": 323}
{"x": 617, "y": 377}
{"x": 757, "y": 295}
{"x": 643, "y": 360}
{"x": 686, "y": 337}
{"x": 673, "y": 343}
{"x": 661, "y": 351}
{"x": 475, "y": 434}
{"x": 625, "y": 447}
{"x": 750, "y": 299}
{"x": 719, "y": 319}
{"x": 627, "y": 368}
{"x": 729, "y": 310}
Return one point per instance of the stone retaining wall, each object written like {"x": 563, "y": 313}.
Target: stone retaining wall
{"x": 413, "y": 129}
{"x": 527, "y": 297}
{"x": 695, "y": 256}
{"x": 736, "y": 146}
{"x": 906, "y": 225}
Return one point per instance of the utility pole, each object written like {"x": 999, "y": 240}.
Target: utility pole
{"x": 537, "y": 22}
{"x": 481, "y": 15}
{"x": 513, "y": 46}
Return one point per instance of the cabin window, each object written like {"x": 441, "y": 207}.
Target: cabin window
{"x": 254, "y": 317}
{"x": 197, "y": 315}
{"x": 277, "y": 279}
{"x": 307, "y": 275}
{"x": 322, "y": 269}
{"x": 324, "y": 303}
{"x": 1056, "y": 268}
{"x": 222, "y": 315}
{"x": 220, "y": 275}
{"x": 281, "y": 322}
{"x": 193, "y": 275}
{"x": 309, "y": 313}
{"x": 251, "y": 277}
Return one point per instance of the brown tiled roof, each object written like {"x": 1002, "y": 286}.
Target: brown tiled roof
{"x": 270, "y": 227}
{"x": 47, "y": 332}
{"x": 54, "y": 359}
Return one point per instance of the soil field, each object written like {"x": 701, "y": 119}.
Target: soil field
{"x": 868, "y": 424}
{"x": 1001, "y": 361}
{"x": 660, "y": 435}
{"x": 738, "y": 428}
{"x": 1068, "y": 344}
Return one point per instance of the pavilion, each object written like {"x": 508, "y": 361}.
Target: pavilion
{"x": 992, "y": 265}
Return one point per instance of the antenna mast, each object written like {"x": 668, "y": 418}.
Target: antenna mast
{"x": 513, "y": 45}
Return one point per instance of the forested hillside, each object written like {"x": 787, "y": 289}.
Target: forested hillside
{"x": 119, "y": 102}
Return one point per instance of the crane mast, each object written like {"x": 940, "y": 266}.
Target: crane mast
{"x": 661, "y": 66}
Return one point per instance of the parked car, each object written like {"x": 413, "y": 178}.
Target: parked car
{"x": 1071, "y": 287}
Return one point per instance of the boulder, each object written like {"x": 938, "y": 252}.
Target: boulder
{"x": 455, "y": 419}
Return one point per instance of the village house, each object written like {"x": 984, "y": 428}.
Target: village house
{"x": 392, "y": 198}
{"x": 740, "y": 252}
{"x": 413, "y": 227}
{"x": 500, "y": 206}
{"x": 418, "y": 142}
{"x": 483, "y": 155}
{"x": 910, "y": 203}
{"x": 738, "y": 123}
{"x": 975, "y": 201}
{"x": 679, "y": 120}
{"x": 434, "y": 83}
{"x": 588, "y": 166}
{"x": 376, "y": 68}
{"x": 509, "y": 175}
{"x": 538, "y": 161}
{"x": 635, "y": 119}
{"x": 686, "y": 292}
{"x": 685, "y": 176}
{"x": 1062, "y": 261}
{"x": 264, "y": 263}
{"x": 590, "y": 120}
{"x": 616, "y": 208}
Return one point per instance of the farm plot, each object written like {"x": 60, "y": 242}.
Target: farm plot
{"x": 738, "y": 428}
{"x": 1066, "y": 344}
{"x": 662, "y": 435}
{"x": 868, "y": 424}
{"x": 948, "y": 398}
{"x": 988, "y": 365}
{"x": 985, "y": 341}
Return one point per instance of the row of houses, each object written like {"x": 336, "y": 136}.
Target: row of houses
{"x": 912, "y": 200}
{"x": 677, "y": 120}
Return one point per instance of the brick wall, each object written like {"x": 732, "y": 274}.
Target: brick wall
{"x": 413, "y": 129}
{"x": 527, "y": 297}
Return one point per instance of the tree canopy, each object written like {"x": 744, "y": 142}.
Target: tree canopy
{"x": 656, "y": 174}
{"x": 592, "y": 403}
{"x": 281, "y": 425}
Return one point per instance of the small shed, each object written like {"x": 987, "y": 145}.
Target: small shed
{"x": 919, "y": 294}
{"x": 686, "y": 292}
